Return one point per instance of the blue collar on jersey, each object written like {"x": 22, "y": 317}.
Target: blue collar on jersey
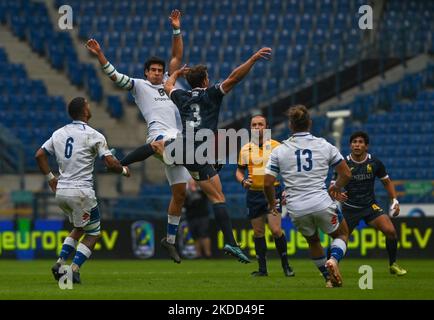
{"x": 301, "y": 134}
{"x": 79, "y": 122}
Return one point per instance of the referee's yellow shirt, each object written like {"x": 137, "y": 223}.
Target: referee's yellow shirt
{"x": 255, "y": 158}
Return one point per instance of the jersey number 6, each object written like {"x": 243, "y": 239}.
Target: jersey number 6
{"x": 68, "y": 147}
{"x": 308, "y": 159}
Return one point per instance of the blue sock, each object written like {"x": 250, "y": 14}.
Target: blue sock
{"x": 338, "y": 249}
{"x": 320, "y": 264}
{"x": 67, "y": 248}
{"x": 82, "y": 254}
{"x": 172, "y": 228}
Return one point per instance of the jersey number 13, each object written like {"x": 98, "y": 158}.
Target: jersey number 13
{"x": 304, "y": 155}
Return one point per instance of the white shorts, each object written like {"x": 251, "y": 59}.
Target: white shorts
{"x": 327, "y": 220}
{"x": 176, "y": 174}
{"x": 81, "y": 207}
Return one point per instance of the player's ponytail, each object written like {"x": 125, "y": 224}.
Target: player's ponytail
{"x": 299, "y": 118}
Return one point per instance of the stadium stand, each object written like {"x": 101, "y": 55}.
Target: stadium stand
{"x": 30, "y": 21}
{"x": 26, "y": 109}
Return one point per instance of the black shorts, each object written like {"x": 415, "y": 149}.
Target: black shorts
{"x": 198, "y": 172}
{"x": 354, "y": 215}
{"x": 201, "y": 172}
{"x": 257, "y": 204}
{"x": 199, "y": 227}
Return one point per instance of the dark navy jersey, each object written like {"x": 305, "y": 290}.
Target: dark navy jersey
{"x": 199, "y": 108}
{"x": 360, "y": 189}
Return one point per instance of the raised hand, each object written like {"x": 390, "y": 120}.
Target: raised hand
{"x": 93, "y": 46}
{"x": 182, "y": 71}
{"x": 174, "y": 18}
{"x": 263, "y": 53}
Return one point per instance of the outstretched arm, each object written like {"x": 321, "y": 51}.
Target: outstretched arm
{"x": 240, "y": 72}
{"x": 121, "y": 80}
{"x": 44, "y": 167}
{"x": 177, "y": 43}
{"x": 170, "y": 83}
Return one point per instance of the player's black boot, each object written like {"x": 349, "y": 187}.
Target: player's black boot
{"x": 55, "y": 271}
{"x": 171, "y": 249}
{"x": 287, "y": 270}
{"x": 76, "y": 277}
{"x": 259, "y": 273}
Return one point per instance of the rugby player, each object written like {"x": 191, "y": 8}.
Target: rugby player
{"x": 303, "y": 162}
{"x": 199, "y": 109}
{"x": 360, "y": 203}
{"x": 162, "y": 118}
{"x": 75, "y": 147}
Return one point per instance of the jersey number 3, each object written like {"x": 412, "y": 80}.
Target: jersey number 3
{"x": 308, "y": 159}
{"x": 68, "y": 147}
{"x": 196, "y": 114}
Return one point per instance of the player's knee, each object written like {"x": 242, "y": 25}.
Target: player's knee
{"x": 276, "y": 231}
{"x": 258, "y": 232}
{"x": 216, "y": 197}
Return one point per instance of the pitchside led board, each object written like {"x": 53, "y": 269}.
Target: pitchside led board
{"x": 26, "y": 239}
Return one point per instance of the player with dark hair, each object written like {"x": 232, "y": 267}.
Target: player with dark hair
{"x": 360, "y": 203}
{"x": 253, "y": 157}
{"x": 75, "y": 147}
{"x": 162, "y": 118}
{"x": 303, "y": 161}
{"x": 199, "y": 109}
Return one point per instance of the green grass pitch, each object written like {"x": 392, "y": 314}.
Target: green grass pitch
{"x": 212, "y": 279}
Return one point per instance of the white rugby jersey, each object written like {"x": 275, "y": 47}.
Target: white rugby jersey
{"x": 76, "y": 146}
{"x": 160, "y": 113}
{"x": 303, "y": 161}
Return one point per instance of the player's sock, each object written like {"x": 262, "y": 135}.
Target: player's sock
{"x": 338, "y": 249}
{"x": 224, "y": 222}
{"x": 68, "y": 247}
{"x": 172, "y": 227}
{"x": 281, "y": 247}
{"x": 140, "y": 154}
{"x": 261, "y": 252}
{"x": 83, "y": 253}
{"x": 320, "y": 264}
{"x": 391, "y": 247}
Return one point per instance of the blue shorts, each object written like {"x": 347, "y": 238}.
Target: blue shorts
{"x": 257, "y": 204}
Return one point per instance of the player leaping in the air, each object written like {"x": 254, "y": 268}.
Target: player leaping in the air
{"x": 162, "y": 118}
{"x": 303, "y": 161}
{"x": 359, "y": 202}
{"x": 75, "y": 147}
{"x": 199, "y": 109}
